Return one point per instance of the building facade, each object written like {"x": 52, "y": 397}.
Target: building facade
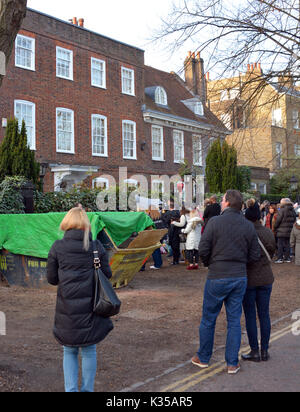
{"x": 264, "y": 120}
{"x": 91, "y": 107}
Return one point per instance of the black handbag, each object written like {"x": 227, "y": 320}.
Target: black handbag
{"x": 106, "y": 301}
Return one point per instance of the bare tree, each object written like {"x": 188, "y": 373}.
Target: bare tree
{"x": 234, "y": 34}
{"x": 12, "y": 13}
{"x": 237, "y": 39}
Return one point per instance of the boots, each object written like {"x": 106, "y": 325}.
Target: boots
{"x": 265, "y": 355}
{"x": 253, "y": 356}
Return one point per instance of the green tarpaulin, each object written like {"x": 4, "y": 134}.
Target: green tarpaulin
{"x": 33, "y": 235}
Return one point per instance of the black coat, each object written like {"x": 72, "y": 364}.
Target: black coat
{"x": 260, "y": 273}
{"x": 285, "y": 221}
{"x": 72, "y": 269}
{"x": 210, "y": 211}
{"x": 228, "y": 244}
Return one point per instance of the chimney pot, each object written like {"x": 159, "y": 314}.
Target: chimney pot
{"x": 81, "y": 22}
{"x": 198, "y": 56}
{"x": 75, "y": 22}
{"x": 252, "y": 67}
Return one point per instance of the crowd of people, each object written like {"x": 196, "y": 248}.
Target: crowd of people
{"x": 236, "y": 242}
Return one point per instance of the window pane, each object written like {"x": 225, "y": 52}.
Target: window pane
{"x": 64, "y": 63}
{"x": 98, "y": 73}
{"x": 64, "y": 131}
{"x": 178, "y": 146}
{"x": 128, "y": 140}
{"x": 99, "y": 135}
{"x": 24, "y": 52}
{"x": 25, "y": 111}
{"x": 127, "y": 81}
{"x": 197, "y": 150}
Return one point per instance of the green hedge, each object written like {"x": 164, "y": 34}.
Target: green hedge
{"x": 11, "y": 200}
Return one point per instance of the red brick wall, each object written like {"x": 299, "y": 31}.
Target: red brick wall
{"x": 48, "y": 92}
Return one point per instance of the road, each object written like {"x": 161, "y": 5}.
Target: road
{"x": 280, "y": 374}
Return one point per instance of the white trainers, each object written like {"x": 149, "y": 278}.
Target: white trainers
{"x": 154, "y": 268}
{"x": 232, "y": 370}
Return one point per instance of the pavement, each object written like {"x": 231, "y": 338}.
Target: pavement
{"x": 280, "y": 374}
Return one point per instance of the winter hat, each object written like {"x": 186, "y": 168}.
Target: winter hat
{"x": 253, "y": 212}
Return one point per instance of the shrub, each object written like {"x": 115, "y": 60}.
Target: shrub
{"x": 11, "y": 200}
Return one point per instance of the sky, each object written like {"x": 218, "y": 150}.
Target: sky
{"x": 132, "y": 22}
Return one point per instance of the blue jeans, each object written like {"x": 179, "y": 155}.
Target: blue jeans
{"x": 218, "y": 291}
{"x": 258, "y": 298}
{"x": 71, "y": 368}
{"x": 157, "y": 258}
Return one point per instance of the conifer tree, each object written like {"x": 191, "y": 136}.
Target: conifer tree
{"x": 230, "y": 169}
{"x": 221, "y": 167}
{"x": 16, "y": 158}
{"x": 214, "y": 167}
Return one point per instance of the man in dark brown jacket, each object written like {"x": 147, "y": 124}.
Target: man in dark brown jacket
{"x": 283, "y": 228}
{"x": 259, "y": 289}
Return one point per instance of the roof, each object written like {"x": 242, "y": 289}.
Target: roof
{"x": 177, "y": 93}
{"x": 83, "y": 28}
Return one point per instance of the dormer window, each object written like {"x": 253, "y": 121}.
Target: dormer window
{"x": 161, "y": 96}
{"x": 195, "y": 105}
{"x": 198, "y": 108}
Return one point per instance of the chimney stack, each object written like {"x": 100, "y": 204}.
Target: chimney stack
{"x": 74, "y": 21}
{"x": 195, "y": 76}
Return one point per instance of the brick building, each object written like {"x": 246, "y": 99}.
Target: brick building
{"x": 91, "y": 106}
{"x": 264, "y": 120}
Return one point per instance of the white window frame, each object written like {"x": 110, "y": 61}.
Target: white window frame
{"x": 161, "y": 96}
{"x": 264, "y": 191}
{"x": 155, "y": 189}
{"x": 296, "y": 120}
{"x": 69, "y": 111}
{"x": 103, "y": 63}
{"x": 100, "y": 117}
{"x": 100, "y": 180}
{"x": 181, "y": 146}
{"x": 226, "y": 119}
{"x": 277, "y": 117}
{"x": 133, "y": 124}
{"x": 71, "y": 77}
{"x": 124, "y": 71}
{"x": 32, "y": 65}
{"x": 198, "y": 109}
{"x": 162, "y": 149}
{"x": 297, "y": 150}
{"x": 200, "y": 161}
{"x": 32, "y": 146}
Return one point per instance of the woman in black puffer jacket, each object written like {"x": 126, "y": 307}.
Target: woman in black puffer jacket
{"x": 71, "y": 267}
{"x": 259, "y": 289}
{"x": 283, "y": 227}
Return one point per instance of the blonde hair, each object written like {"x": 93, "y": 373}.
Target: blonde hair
{"x": 77, "y": 219}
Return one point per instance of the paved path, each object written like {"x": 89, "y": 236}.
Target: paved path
{"x": 280, "y": 374}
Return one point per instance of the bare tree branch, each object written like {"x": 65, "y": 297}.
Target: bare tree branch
{"x": 12, "y": 13}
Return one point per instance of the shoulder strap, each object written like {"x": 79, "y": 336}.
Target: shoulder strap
{"x": 264, "y": 249}
{"x": 97, "y": 263}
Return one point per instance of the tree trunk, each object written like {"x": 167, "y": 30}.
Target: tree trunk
{"x": 12, "y": 13}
